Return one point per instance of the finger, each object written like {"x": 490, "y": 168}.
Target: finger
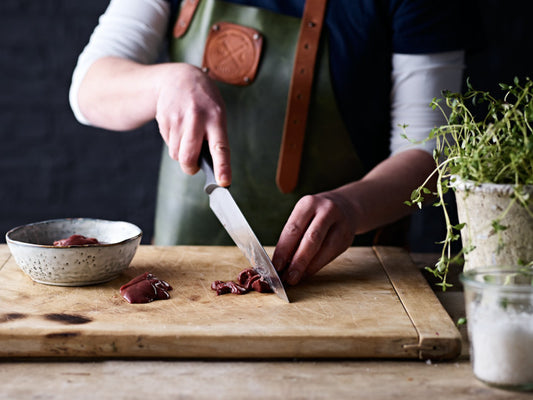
{"x": 332, "y": 246}
{"x": 173, "y": 140}
{"x": 191, "y": 140}
{"x": 309, "y": 247}
{"x": 217, "y": 137}
{"x": 292, "y": 233}
{"x": 220, "y": 153}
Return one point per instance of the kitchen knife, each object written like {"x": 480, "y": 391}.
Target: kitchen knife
{"x": 233, "y": 220}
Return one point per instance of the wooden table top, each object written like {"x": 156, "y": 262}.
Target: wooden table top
{"x": 298, "y": 379}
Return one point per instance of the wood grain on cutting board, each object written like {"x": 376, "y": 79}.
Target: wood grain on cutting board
{"x": 368, "y": 303}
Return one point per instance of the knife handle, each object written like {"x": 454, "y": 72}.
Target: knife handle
{"x": 206, "y": 164}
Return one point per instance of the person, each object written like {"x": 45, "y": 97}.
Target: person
{"x": 378, "y": 66}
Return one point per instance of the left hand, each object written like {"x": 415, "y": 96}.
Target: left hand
{"x": 320, "y": 228}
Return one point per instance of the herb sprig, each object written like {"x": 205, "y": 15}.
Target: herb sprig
{"x": 494, "y": 148}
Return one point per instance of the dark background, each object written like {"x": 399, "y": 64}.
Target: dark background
{"x": 50, "y": 165}
{"x": 53, "y": 167}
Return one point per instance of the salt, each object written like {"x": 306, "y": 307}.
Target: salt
{"x": 501, "y": 343}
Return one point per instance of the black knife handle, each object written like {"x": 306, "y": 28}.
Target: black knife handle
{"x": 206, "y": 164}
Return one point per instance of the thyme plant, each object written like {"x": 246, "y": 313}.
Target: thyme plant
{"x": 485, "y": 140}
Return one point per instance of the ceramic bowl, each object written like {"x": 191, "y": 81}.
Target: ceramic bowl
{"x": 33, "y": 250}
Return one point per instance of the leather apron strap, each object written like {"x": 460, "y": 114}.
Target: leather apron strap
{"x": 187, "y": 11}
{"x": 300, "y": 95}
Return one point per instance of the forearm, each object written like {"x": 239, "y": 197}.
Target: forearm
{"x": 378, "y": 198}
{"x": 121, "y": 94}
{"x": 131, "y": 30}
{"x": 118, "y": 94}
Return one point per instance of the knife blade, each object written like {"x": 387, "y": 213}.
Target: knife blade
{"x": 227, "y": 211}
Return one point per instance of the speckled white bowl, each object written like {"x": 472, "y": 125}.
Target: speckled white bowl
{"x": 32, "y": 248}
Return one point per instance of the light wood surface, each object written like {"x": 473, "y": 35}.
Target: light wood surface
{"x": 350, "y": 309}
{"x": 293, "y": 379}
{"x": 328, "y": 380}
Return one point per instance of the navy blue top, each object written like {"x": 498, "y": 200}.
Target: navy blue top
{"x": 363, "y": 34}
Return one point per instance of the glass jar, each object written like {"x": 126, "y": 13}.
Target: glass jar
{"x": 499, "y": 311}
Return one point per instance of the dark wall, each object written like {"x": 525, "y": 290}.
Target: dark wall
{"x": 504, "y": 45}
{"x": 52, "y": 167}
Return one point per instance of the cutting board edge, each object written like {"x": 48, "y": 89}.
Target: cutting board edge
{"x": 439, "y": 339}
{"x": 76, "y": 345}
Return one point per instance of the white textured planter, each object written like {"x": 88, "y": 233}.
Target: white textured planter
{"x": 478, "y": 206}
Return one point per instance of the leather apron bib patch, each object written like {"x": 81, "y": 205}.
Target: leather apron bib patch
{"x": 232, "y": 53}
{"x": 255, "y": 117}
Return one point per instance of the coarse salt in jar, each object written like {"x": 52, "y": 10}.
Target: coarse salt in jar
{"x": 499, "y": 310}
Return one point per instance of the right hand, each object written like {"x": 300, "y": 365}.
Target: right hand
{"x": 189, "y": 110}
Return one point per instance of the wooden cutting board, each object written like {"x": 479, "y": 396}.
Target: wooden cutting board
{"x": 368, "y": 303}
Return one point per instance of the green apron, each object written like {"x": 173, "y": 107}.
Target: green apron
{"x": 255, "y": 116}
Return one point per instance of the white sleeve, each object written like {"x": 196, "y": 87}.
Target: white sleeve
{"x": 131, "y": 29}
{"x": 416, "y": 80}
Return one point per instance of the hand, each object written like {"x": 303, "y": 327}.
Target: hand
{"x": 320, "y": 228}
{"x": 190, "y": 109}
{"x": 121, "y": 94}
